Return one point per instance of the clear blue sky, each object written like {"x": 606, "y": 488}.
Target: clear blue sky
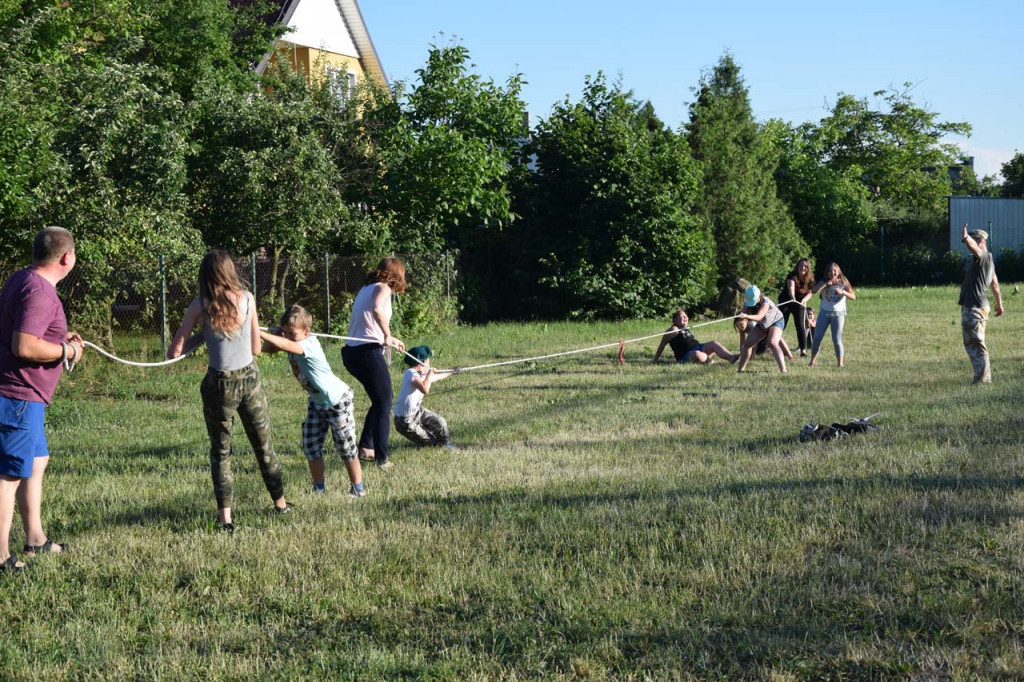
{"x": 966, "y": 58}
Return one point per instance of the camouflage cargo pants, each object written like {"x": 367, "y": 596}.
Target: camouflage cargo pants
{"x": 973, "y": 320}
{"x": 238, "y": 392}
{"x": 423, "y": 427}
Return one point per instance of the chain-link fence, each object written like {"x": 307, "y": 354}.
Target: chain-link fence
{"x": 134, "y": 307}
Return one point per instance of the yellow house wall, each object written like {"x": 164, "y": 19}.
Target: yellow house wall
{"x": 303, "y": 58}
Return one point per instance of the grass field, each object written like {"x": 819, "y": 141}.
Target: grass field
{"x": 596, "y": 521}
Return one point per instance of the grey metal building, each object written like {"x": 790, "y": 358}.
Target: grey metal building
{"x": 1003, "y": 219}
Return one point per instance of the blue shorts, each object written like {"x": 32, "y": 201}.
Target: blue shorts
{"x": 689, "y": 354}
{"x": 22, "y": 437}
{"x": 781, "y": 324}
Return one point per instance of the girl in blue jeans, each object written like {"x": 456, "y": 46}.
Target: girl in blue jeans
{"x": 835, "y": 289}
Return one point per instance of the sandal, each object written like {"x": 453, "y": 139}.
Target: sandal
{"x": 12, "y": 565}
{"x": 45, "y": 548}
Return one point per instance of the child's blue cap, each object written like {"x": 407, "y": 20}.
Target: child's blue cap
{"x": 753, "y": 296}
{"x": 421, "y": 353}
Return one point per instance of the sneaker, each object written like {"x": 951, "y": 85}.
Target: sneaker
{"x": 228, "y": 528}
{"x": 316, "y": 490}
{"x": 386, "y": 465}
{"x": 356, "y": 492}
{"x": 281, "y": 511}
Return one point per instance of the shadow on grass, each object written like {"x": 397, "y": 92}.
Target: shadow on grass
{"x": 438, "y": 509}
{"x": 839, "y": 613}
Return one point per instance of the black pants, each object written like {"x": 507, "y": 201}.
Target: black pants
{"x": 367, "y": 364}
{"x": 799, "y": 314}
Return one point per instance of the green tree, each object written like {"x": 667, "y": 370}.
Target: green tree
{"x": 897, "y": 147}
{"x": 1013, "y": 176}
{"x": 611, "y": 222}
{"x": 199, "y": 42}
{"x": 263, "y": 177}
{"x": 967, "y": 183}
{"x": 116, "y": 180}
{"x": 446, "y": 150}
{"x": 830, "y": 206}
{"x": 755, "y": 237}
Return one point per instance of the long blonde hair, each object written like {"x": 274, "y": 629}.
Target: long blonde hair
{"x": 218, "y": 284}
{"x": 842, "y": 277}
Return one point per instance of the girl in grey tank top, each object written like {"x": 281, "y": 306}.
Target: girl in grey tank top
{"x": 230, "y": 350}
{"x": 233, "y": 385}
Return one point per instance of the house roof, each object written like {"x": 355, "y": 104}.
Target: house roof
{"x": 353, "y": 18}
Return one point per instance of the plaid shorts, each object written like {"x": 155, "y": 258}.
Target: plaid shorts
{"x": 339, "y": 419}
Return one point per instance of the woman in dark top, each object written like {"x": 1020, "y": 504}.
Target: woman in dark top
{"x": 793, "y": 300}
{"x": 685, "y": 346}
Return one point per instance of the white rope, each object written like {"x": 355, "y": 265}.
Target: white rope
{"x": 586, "y": 350}
{"x": 138, "y": 364}
{"x": 348, "y": 338}
{"x": 460, "y": 369}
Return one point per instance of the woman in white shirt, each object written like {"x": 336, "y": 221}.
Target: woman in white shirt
{"x": 364, "y": 359}
{"x": 835, "y": 289}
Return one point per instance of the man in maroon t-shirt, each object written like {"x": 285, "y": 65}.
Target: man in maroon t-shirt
{"x": 34, "y": 342}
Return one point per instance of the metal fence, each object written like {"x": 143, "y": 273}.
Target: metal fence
{"x": 135, "y": 306}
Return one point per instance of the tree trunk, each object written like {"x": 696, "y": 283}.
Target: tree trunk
{"x": 284, "y": 278}
{"x": 273, "y": 274}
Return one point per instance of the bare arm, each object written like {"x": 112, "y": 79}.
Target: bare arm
{"x": 274, "y": 343}
{"x": 791, "y": 288}
{"x": 193, "y": 342}
{"x": 31, "y": 348}
{"x": 254, "y": 325}
{"x": 193, "y": 316}
{"x": 972, "y": 245}
{"x": 380, "y": 302}
{"x": 665, "y": 338}
{"x": 423, "y": 383}
{"x": 758, "y": 316}
{"x": 848, "y": 291}
{"x": 817, "y": 287}
{"x": 998, "y": 294}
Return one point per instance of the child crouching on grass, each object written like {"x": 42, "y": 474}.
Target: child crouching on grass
{"x": 412, "y": 420}
{"x": 330, "y": 398}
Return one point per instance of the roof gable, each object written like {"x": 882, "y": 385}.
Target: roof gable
{"x": 320, "y": 24}
{"x": 333, "y": 25}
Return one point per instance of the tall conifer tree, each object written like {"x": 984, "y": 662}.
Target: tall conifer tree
{"x": 755, "y": 237}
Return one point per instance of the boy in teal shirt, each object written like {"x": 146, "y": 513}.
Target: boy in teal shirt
{"x": 330, "y": 399}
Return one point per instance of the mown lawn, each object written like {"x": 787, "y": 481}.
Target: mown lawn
{"x": 596, "y": 521}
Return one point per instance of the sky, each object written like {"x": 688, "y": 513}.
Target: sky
{"x": 965, "y": 60}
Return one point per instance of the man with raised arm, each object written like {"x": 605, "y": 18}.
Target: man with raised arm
{"x": 34, "y": 345}
{"x": 979, "y": 275}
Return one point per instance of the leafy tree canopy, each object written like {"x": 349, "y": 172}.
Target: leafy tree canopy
{"x": 447, "y": 149}
{"x": 612, "y": 199}
{"x": 1013, "y": 176}
{"x": 755, "y": 237}
{"x": 897, "y": 146}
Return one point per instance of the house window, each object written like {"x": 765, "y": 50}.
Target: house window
{"x": 342, "y": 83}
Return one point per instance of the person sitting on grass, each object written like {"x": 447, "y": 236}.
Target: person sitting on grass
{"x": 330, "y": 398}
{"x": 685, "y": 346}
{"x": 768, "y": 324}
{"x": 412, "y": 420}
